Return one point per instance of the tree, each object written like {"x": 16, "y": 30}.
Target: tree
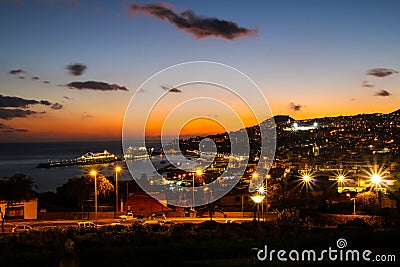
{"x": 368, "y": 201}
{"x": 15, "y": 189}
{"x": 77, "y": 190}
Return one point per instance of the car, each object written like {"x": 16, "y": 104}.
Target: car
{"x": 21, "y": 228}
{"x": 86, "y": 224}
{"x": 158, "y": 217}
{"x": 128, "y": 217}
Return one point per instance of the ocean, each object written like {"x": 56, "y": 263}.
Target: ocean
{"x": 24, "y": 157}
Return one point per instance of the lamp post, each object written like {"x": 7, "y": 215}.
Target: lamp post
{"x": 198, "y": 173}
{"x": 376, "y": 180}
{"x": 306, "y": 180}
{"x": 341, "y": 180}
{"x": 94, "y": 173}
{"x": 354, "y": 203}
{"x": 117, "y": 170}
{"x": 257, "y": 200}
{"x": 266, "y": 194}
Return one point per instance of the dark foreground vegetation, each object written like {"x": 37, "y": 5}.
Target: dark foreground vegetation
{"x": 206, "y": 244}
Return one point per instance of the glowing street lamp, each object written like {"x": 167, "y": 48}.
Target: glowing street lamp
{"x": 198, "y": 172}
{"x": 341, "y": 179}
{"x": 257, "y": 199}
{"x": 376, "y": 180}
{"x": 94, "y": 174}
{"x": 268, "y": 176}
{"x": 306, "y": 178}
{"x": 117, "y": 170}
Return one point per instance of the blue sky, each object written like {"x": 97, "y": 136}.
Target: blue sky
{"x": 314, "y": 54}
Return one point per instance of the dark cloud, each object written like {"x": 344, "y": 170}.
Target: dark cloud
{"x": 381, "y": 72}
{"x": 295, "y": 107}
{"x": 16, "y": 72}
{"x": 76, "y": 69}
{"x": 93, "y": 85}
{"x": 35, "y": 78}
{"x": 367, "y": 84}
{"x": 8, "y": 114}
{"x": 21, "y": 77}
{"x": 45, "y": 102}
{"x": 56, "y": 106}
{"x": 8, "y": 129}
{"x": 193, "y": 24}
{"x": 66, "y": 97}
{"x": 16, "y": 107}
{"x": 171, "y": 89}
{"x": 382, "y": 92}
{"x": 46, "y": 82}
{"x": 17, "y": 102}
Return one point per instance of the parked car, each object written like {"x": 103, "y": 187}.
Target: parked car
{"x": 86, "y": 224}
{"x": 21, "y": 228}
{"x": 128, "y": 217}
{"x": 158, "y": 217}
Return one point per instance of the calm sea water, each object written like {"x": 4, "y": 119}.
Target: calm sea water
{"x": 24, "y": 157}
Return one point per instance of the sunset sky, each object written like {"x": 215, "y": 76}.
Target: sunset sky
{"x": 68, "y": 69}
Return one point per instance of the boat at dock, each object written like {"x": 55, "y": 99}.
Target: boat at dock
{"x": 89, "y": 158}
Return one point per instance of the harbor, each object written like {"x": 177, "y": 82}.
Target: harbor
{"x": 89, "y": 158}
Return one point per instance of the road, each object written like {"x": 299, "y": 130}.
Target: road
{"x": 43, "y": 224}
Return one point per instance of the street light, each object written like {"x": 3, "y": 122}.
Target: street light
{"x": 354, "y": 203}
{"x": 306, "y": 178}
{"x": 376, "y": 178}
{"x": 257, "y": 199}
{"x": 94, "y": 173}
{"x": 117, "y": 170}
{"x": 268, "y": 176}
{"x": 341, "y": 180}
{"x": 199, "y": 172}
